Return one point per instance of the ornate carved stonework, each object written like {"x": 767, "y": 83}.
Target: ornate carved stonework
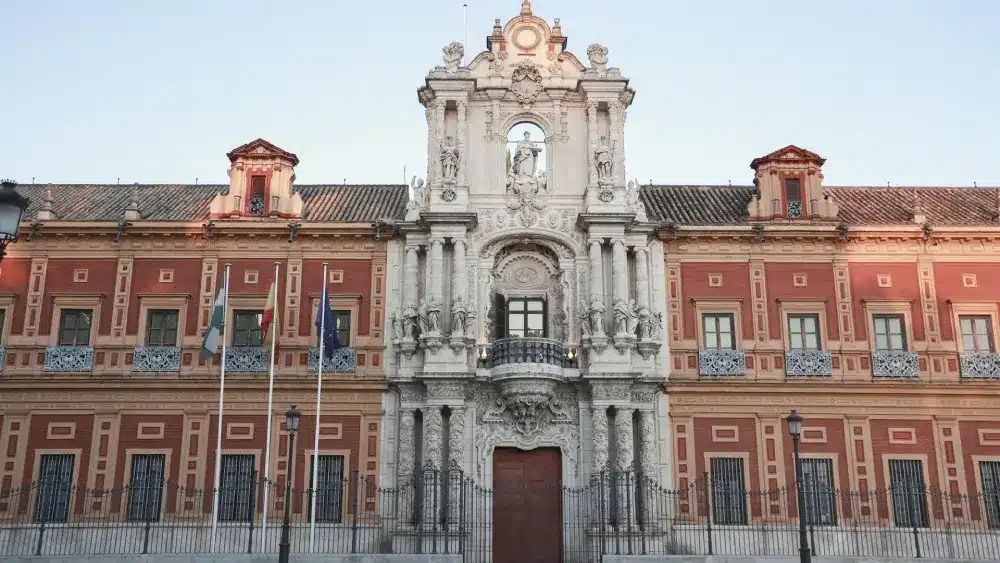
{"x": 526, "y": 82}
{"x": 610, "y": 391}
{"x": 445, "y": 390}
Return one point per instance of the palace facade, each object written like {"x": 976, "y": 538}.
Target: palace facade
{"x": 522, "y": 314}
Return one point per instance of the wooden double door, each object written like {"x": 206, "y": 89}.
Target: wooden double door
{"x": 527, "y": 506}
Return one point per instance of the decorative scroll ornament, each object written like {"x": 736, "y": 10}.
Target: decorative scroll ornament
{"x": 526, "y": 82}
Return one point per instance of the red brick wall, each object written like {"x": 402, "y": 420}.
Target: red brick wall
{"x": 905, "y": 284}
{"x": 735, "y": 284}
{"x": 949, "y": 286}
{"x": 781, "y": 286}
{"x": 882, "y": 447}
{"x": 746, "y": 443}
{"x": 972, "y": 445}
{"x": 14, "y": 278}
{"x": 130, "y": 439}
{"x": 810, "y": 445}
{"x": 38, "y": 439}
{"x": 100, "y": 279}
{"x": 350, "y": 439}
{"x": 146, "y": 279}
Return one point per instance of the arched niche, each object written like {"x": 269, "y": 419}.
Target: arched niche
{"x": 526, "y": 269}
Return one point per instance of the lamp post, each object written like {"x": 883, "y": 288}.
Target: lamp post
{"x": 12, "y": 206}
{"x": 292, "y": 425}
{"x": 795, "y": 429}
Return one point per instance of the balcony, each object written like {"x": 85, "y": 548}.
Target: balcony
{"x": 69, "y": 359}
{"x": 344, "y": 360}
{"x": 528, "y": 351}
{"x": 895, "y": 364}
{"x": 808, "y": 363}
{"x": 721, "y": 362}
{"x": 980, "y": 365}
{"x": 156, "y": 359}
{"x": 247, "y": 359}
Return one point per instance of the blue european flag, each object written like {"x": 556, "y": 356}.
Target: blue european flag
{"x": 327, "y": 326}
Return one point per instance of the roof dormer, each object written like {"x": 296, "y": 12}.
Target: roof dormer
{"x": 789, "y": 184}
{"x": 260, "y": 184}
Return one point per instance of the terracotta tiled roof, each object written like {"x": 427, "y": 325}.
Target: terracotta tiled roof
{"x": 178, "y": 202}
{"x": 876, "y": 206}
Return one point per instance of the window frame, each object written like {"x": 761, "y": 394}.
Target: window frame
{"x": 903, "y": 333}
{"x": 151, "y": 315}
{"x": 243, "y": 313}
{"x": 988, "y": 469}
{"x": 333, "y": 511}
{"x": 140, "y": 462}
{"x": 803, "y": 316}
{"x": 823, "y": 495}
{"x": 902, "y": 501}
{"x": 74, "y": 311}
{"x": 525, "y": 314}
{"x": 990, "y": 336}
{"x": 231, "y": 507}
{"x": 734, "y": 509}
{"x": 344, "y": 334}
{"x": 717, "y": 316}
{"x": 255, "y": 191}
{"x": 62, "y": 487}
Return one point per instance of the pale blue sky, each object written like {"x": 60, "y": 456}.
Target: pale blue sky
{"x": 904, "y": 91}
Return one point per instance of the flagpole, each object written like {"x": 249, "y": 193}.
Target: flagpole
{"x": 218, "y": 431}
{"x": 273, "y": 326}
{"x": 319, "y": 395}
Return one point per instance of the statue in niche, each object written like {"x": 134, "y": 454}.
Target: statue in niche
{"x": 449, "y": 161}
{"x": 524, "y": 181}
{"x": 603, "y": 158}
{"x": 621, "y": 314}
{"x": 434, "y": 315}
{"x": 425, "y": 326}
{"x": 458, "y": 317}
{"x": 525, "y": 158}
{"x": 597, "y": 316}
{"x": 411, "y": 319}
{"x": 397, "y": 326}
{"x": 645, "y": 322}
{"x": 633, "y": 317}
{"x": 583, "y": 316}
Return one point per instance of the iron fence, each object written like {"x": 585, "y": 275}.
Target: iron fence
{"x": 448, "y": 512}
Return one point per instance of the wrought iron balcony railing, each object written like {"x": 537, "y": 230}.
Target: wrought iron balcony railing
{"x": 528, "y": 351}
{"x": 69, "y": 359}
{"x": 344, "y": 360}
{"x": 895, "y": 364}
{"x": 3, "y": 356}
{"x": 980, "y": 365}
{"x": 247, "y": 359}
{"x": 721, "y": 362}
{"x": 156, "y": 359}
{"x": 808, "y": 363}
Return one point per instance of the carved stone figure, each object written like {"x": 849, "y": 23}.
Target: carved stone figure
{"x": 433, "y": 316}
{"x": 525, "y": 158}
{"x": 411, "y": 318}
{"x": 605, "y": 161}
{"x": 449, "y": 161}
{"x": 453, "y": 53}
{"x": 583, "y": 317}
{"x": 419, "y": 197}
{"x": 397, "y": 326}
{"x": 597, "y": 316}
{"x": 526, "y": 82}
{"x": 622, "y": 314}
{"x": 458, "y": 317}
{"x": 598, "y": 55}
{"x": 645, "y": 320}
{"x": 656, "y": 325}
{"x": 634, "y": 204}
{"x": 633, "y": 317}
{"x": 422, "y": 313}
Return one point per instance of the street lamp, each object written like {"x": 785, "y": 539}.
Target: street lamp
{"x": 292, "y": 425}
{"x": 12, "y": 206}
{"x": 795, "y": 429}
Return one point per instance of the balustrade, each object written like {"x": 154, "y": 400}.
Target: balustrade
{"x": 721, "y": 362}
{"x": 895, "y": 364}
{"x": 344, "y": 360}
{"x": 69, "y": 359}
{"x": 808, "y": 363}
{"x": 156, "y": 359}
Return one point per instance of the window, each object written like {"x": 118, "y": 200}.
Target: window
{"x": 74, "y": 327}
{"x": 237, "y": 484}
{"x": 329, "y": 487}
{"x": 793, "y": 194}
{"x": 718, "y": 329}
{"x": 817, "y": 488}
{"x": 145, "y": 487}
{"x": 255, "y": 199}
{"x": 803, "y": 332}
{"x": 890, "y": 333}
{"x": 55, "y": 487}
{"x": 525, "y": 317}
{"x": 342, "y": 320}
{"x": 990, "y": 471}
{"x": 909, "y": 494}
{"x": 977, "y": 333}
{"x": 729, "y": 491}
{"x": 247, "y": 329}
{"x": 161, "y": 327}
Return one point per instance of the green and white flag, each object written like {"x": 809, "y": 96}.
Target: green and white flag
{"x": 213, "y": 334}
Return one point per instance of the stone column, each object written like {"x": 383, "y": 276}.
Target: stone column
{"x": 435, "y": 274}
{"x": 619, "y": 273}
{"x": 460, "y": 142}
{"x": 411, "y": 269}
{"x": 435, "y": 149}
{"x": 592, "y": 140}
{"x": 596, "y": 286}
{"x": 406, "y": 460}
{"x": 616, "y": 137}
{"x": 649, "y": 477}
{"x": 625, "y": 466}
{"x": 641, "y": 276}
{"x": 459, "y": 282}
{"x": 430, "y": 476}
{"x": 456, "y": 477}
{"x": 601, "y": 475}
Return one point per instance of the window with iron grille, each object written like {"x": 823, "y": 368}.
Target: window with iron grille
{"x": 237, "y": 485}
{"x": 990, "y": 471}
{"x": 55, "y": 487}
{"x": 342, "y": 321}
{"x": 803, "y": 332}
{"x": 246, "y": 331}
{"x": 977, "y": 333}
{"x": 329, "y": 487}
{"x": 818, "y": 490}
{"x": 890, "y": 333}
{"x": 729, "y": 491}
{"x": 161, "y": 327}
{"x": 718, "y": 330}
{"x": 74, "y": 327}
{"x": 525, "y": 317}
{"x": 908, "y": 493}
{"x": 145, "y": 488}
{"x": 256, "y": 204}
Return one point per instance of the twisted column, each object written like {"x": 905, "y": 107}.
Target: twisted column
{"x": 601, "y": 476}
{"x": 624, "y": 466}
{"x": 649, "y": 476}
